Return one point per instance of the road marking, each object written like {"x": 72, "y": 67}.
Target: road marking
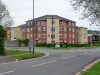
{"x": 43, "y": 64}
{"x": 6, "y": 72}
{"x": 75, "y": 56}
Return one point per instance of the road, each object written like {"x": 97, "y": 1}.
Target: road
{"x": 59, "y": 62}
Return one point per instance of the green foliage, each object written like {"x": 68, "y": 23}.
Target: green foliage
{"x": 25, "y": 41}
{"x": 2, "y": 39}
{"x": 89, "y": 9}
{"x": 63, "y": 45}
{"x": 96, "y": 43}
{"x": 22, "y": 55}
{"x": 95, "y": 70}
{"x": 5, "y": 18}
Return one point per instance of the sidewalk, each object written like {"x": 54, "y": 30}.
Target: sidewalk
{"x": 4, "y": 59}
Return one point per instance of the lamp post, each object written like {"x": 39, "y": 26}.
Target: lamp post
{"x": 91, "y": 35}
{"x": 33, "y": 22}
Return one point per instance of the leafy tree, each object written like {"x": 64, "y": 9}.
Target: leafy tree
{"x": 26, "y": 41}
{"x": 2, "y": 38}
{"x": 5, "y": 22}
{"x": 5, "y": 18}
{"x": 89, "y": 9}
{"x": 20, "y": 41}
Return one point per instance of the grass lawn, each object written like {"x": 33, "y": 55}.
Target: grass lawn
{"x": 95, "y": 70}
{"x": 22, "y": 55}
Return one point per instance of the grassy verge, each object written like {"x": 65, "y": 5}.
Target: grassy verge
{"x": 95, "y": 70}
{"x": 22, "y": 55}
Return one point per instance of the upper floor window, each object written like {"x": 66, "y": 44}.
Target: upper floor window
{"x": 52, "y": 21}
{"x": 73, "y": 29}
{"x": 61, "y": 28}
{"x": 44, "y": 35}
{"x": 39, "y": 28}
{"x": 48, "y": 35}
{"x": 73, "y": 24}
{"x": 39, "y": 35}
{"x": 53, "y": 36}
{"x": 61, "y": 35}
{"x": 53, "y": 29}
{"x": 28, "y": 23}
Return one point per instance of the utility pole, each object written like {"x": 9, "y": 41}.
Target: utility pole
{"x": 33, "y": 22}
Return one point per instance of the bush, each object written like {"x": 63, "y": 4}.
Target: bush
{"x": 96, "y": 43}
{"x": 2, "y": 39}
{"x": 63, "y": 45}
{"x": 24, "y": 41}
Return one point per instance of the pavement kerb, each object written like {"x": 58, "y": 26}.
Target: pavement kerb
{"x": 46, "y": 54}
{"x": 88, "y": 67}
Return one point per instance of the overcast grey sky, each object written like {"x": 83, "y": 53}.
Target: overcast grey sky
{"x": 21, "y": 10}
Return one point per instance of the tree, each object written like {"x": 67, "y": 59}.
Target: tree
{"x": 5, "y": 18}
{"x": 89, "y": 9}
{"x": 2, "y": 38}
{"x": 5, "y": 22}
{"x": 26, "y": 41}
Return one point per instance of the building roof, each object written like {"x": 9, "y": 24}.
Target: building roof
{"x": 51, "y": 16}
{"x": 93, "y": 32}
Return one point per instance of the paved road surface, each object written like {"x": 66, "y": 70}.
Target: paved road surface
{"x": 58, "y": 63}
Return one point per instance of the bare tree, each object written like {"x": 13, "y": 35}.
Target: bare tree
{"x": 89, "y": 9}
{"x": 5, "y": 18}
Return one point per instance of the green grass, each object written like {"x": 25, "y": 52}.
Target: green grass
{"x": 22, "y": 55}
{"x": 95, "y": 70}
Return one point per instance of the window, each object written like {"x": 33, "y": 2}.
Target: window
{"x": 53, "y": 29}
{"x": 31, "y": 36}
{"x": 44, "y": 35}
{"x": 31, "y": 29}
{"x": 39, "y": 28}
{"x": 61, "y": 35}
{"x": 28, "y": 36}
{"x": 48, "y": 35}
{"x": 44, "y": 28}
{"x": 65, "y": 35}
{"x": 73, "y": 24}
{"x": 39, "y": 35}
{"x": 27, "y": 29}
{"x": 70, "y": 29}
{"x": 73, "y": 36}
{"x": 70, "y": 23}
{"x": 53, "y": 36}
{"x": 28, "y": 23}
{"x": 61, "y": 29}
{"x": 73, "y": 29}
{"x": 52, "y": 21}
{"x": 65, "y": 29}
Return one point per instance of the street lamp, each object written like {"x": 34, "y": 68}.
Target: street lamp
{"x": 33, "y": 22}
{"x": 91, "y": 35}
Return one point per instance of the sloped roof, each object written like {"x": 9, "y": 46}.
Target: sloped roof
{"x": 51, "y": 16}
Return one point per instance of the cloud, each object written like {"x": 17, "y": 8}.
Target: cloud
{"x": 21, "y": 10}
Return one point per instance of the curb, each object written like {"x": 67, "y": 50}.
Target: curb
{"x": 88, "y": 67}
{"x": 46, "y": 54}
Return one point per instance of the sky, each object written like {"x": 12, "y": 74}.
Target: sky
{"x": 21, "y": 11}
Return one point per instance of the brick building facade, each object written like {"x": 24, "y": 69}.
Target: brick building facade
{"x": 51, "y": 28}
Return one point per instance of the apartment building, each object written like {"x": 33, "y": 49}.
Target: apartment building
{"x": 82, "y": 35}
{"x": 51, "y": 29}
{"x": 16, "y": 33}
{"x": 93, "y": 36}
{"x": 8, "y": 34}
